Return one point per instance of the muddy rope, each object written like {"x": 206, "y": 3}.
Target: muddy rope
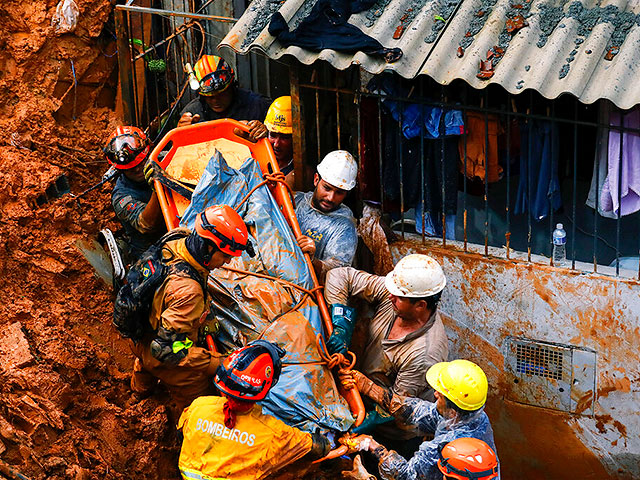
{"x": 272, "y": 179}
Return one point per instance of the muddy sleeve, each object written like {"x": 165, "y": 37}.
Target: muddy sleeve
{"x": 288, "y": 445}
{"x": 420, "y": 413}
{"x": 184, "y": 418}
{"x": 184, "y": 305}
{"x": 150, "y": 218}
{"x": 128, "y": 210}
{"x": 320, "y": 447}
{"x": 341, "y": 246}
{"x": 393, "y": 466}
{"x": 342, "y": 283}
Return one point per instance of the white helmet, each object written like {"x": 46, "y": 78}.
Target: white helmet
{"x": 339, "y": 168}
{"x": 416, "y": 276}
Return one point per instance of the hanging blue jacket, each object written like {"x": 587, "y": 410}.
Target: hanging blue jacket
{"x": 423, "y": 415}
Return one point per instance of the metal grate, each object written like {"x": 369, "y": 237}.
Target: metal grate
{"x": 539, "y": 361}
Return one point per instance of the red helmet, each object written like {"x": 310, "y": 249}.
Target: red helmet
{"x": 249, "y": 373}
{"x": 214, "y": 74}
{"x": 222, "y": 225}
{"x": 127, "y": 147}
{"x": 468, "y": 459}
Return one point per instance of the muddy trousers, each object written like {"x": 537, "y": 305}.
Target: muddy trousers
{"x": 184, "y": 384}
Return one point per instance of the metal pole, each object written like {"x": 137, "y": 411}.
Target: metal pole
{"x": 298, "y": 130}
{"x": 176, "y": 13}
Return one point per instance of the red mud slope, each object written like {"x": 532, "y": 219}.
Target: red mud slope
{"x": 65, "y": 410}
{"x": 63, "y": 369}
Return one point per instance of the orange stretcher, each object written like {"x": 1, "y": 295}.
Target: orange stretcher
{"x": 173, "y": 205}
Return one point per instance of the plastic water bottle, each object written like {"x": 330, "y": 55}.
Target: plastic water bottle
{"x": 559, "y": 246}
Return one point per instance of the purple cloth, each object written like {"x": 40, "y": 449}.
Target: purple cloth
{"x": 629, "y": 180}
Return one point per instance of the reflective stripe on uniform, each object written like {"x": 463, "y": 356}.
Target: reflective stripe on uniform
{"x": 192, "y": 474}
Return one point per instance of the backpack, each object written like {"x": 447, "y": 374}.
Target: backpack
{"x": 133, "y": 301}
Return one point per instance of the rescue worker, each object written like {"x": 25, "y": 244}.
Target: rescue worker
{"x": 404, "y": 338}
{"x": 229, "y": 437}
{"x": 468, "y": 459}
{"x": 174, "y": 352}
{"x": 135, "y": 203}
{"x": 279, "y": 128}
{"x": 460, "y": 391}
{"x": 220, "y": 97}
{"x": 328, "y": 226}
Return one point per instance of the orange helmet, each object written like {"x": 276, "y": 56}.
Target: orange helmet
{"x": 214, "y": 74}
{"x": 127, "y": 147}
{"x": 222, "y": 226}
{"x": 468, "y": 459}
{"x": 249, "y": 373}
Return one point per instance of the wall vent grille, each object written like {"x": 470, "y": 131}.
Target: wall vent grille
{"x": 550, "y": 375}
{"x": 538, "y": 361}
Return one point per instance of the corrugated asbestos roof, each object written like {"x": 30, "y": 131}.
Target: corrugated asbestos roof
{"x": 591, "y": 50}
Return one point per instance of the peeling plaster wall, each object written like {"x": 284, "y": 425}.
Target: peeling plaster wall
{"x": 488, "y": 300}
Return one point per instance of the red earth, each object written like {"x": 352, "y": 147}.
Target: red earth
{"x": 65, "y": 406}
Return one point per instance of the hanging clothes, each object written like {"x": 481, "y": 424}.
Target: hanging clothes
{"x": 439, "y": 157}
{"x": 479, "y": 158}
{"x": 600, "y": 162}
{"x": 326, "y": 26}
{"x": 621, "y": 190}
{"x": 539, "y": 186}
{"x": 427, "y": 164}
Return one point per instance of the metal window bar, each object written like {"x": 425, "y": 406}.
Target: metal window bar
{"x": 338, "y": 111}
{"x": 527, "y": 211}
{"x": 401, "y": 171}
{"x": 443, "y": 193}
{"x": 464, "y": 175}
{"x": 486, "y": 174}
{"x": 575, "y": 187}
{"x": 507, "y": 234}
{"x": 550, "y": 198}
{"x": 422, "y": 179}
{"x": 530, "y": 116}
{"x": 620, "y": 153}
{"x": 380, "y": 168}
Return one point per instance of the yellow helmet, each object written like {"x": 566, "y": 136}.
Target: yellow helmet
{"x": 279, "y": 116}
{"x": 461, "y": 381}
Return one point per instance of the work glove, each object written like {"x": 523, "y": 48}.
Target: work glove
{"x": 149, "y": 173}
{"x": 371, "y": 420}
{"x": 355, "y": 443}
{"x": 343, "y": 319}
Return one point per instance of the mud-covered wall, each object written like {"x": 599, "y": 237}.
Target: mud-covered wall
{"x": 64, "y": 372}
{"x": 489, "y": 300}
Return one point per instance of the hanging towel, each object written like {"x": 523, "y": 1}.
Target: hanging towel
{"x": 621, "y": 189}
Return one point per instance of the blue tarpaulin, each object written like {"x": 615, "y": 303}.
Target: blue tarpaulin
{"x": 248, "y": 307}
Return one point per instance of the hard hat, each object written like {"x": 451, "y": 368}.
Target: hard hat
{"x": 468, "y": 459}
{"x": 214, "y": 74}
{"x": 127, "y": 147}
{"x": 461, "y": 381}
{"x": 278, "y": 118}
{"x": 416, "y": 276}
{"x": 222, "y": 225}
{"x": 248, "y": 373}
{"x": 339, "y": 168}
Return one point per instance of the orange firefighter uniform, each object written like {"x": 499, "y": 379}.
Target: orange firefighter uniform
{"x": 180, "y": 307}
{"x": 256, "y": 447}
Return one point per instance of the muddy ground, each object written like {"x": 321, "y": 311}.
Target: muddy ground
{"x": 65, "y": 407}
